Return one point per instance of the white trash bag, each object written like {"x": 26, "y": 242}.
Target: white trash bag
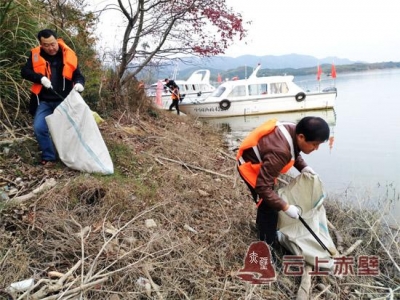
{"x": 77, "y": 138}
{"x": 306, "y": 191}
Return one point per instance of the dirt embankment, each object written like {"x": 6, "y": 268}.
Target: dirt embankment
{"x": 173, "y": 222}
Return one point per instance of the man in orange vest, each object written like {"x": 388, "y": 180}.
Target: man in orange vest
{"x": 269, "y": 150}
{"x": 53, "y": 69}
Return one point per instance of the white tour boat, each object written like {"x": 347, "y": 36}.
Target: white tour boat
{"x": 259, "y": 95}
{"x": 196, "y": 88}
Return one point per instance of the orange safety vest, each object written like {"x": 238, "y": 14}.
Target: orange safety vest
{"x": 248, "y": 170}
{"x": 175, "y": 94}
{"x": 41, "y": 66}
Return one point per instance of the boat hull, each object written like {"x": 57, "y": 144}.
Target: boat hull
{"x": 261, "y": 105}
{"x": 166, "y": 100}
{"x": 248, "y": 123}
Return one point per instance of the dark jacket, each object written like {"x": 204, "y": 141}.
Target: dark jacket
{"x": 60, "y": 84}
{"x": 275, "y": 154}
{"x": 172, "y": 85}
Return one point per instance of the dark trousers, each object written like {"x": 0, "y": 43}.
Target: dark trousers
{"x": 175, "y": 102}
{"x": 267, "y": 220}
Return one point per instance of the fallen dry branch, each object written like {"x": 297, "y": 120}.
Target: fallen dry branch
{"x": 49, "y": 286}
{"x": 75, "y": 291}
{"x": 393, "y": 260}
{"x": 7, "y": 180}
{"x": 324, "y": 290}
{"x": 66, "y": 285}
{"x": 227, "y": 155}
{"x": 193, "y": 167}
{"x": 48, "y": 184}
{"x": 352, "y": 247}
{"x": 14, "y": 140}
{"x": 84, "y": 232}
{"x": 338, "y": 236}
{"x": 152, "y": 283}
{"x": 390, "y": 292}
{"x": 90, "y": 275}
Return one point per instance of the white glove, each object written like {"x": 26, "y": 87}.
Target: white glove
{"x": 46, "y": 82}
{"x": 78, "y": 87}
{"x": 292, "y": 211}
{"x": 308, "y": 170}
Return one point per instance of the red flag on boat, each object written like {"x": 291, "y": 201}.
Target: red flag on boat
{"x": 219, "y": 78}
{"x": 333, "y": 71}
{"x": 319, "y": 72}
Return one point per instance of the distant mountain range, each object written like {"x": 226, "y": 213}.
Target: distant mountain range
{"x": 293, "y": 64}
{"x": 223, "y": 64}
{"x": 268, "y": 61}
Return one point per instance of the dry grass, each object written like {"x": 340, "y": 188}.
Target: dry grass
{"x": 177, "y": 172}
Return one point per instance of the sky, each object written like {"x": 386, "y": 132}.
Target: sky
{"x": 358, "y": 30}
{"x": 354, "y": 29}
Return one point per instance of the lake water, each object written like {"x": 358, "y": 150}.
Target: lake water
{"x": 363, "y": 164}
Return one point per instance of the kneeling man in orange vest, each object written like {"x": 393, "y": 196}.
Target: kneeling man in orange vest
{"x": 53, "y": 70}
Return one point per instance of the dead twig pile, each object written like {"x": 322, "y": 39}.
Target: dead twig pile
{"x": 173, "y": 222}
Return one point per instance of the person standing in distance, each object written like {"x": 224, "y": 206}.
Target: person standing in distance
{"x": 53, "y": 69}
{"x": 174, "y": 89}
{"x": 269, "y": 150}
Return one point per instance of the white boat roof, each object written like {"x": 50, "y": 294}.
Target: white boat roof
{"x": 199, "y": 76}
{"x": 264, "y": 79}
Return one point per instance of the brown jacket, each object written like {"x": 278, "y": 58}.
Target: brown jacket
{"x": 275, "y": 154}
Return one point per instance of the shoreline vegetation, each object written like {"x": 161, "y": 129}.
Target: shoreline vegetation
{"x": 326, "y": 69}
{"x": 173, "y": 222}
{"x": 244, "y": 71}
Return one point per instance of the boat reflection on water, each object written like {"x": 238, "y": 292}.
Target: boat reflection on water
{"x": 237, "y": 128}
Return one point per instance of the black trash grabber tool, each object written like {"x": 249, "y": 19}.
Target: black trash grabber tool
{"x": 314, "y": 235}
{"x": 61, "y": 97}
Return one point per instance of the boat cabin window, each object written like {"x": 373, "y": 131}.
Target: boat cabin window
{"x": 219, "y": 91}
{"x": 279, "y": 88}
{"x": 191, "y": 88}
{"x": 258, "y": 89}
{"x": 181, "y": 87}
{"x": 238, "y": 91}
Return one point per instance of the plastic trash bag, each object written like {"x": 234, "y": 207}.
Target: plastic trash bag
{"x": 306, "y": 191}
{"x": 77, "y": 138}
